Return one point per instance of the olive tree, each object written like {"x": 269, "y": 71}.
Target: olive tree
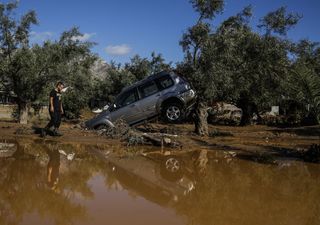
{"x": 29, "y": 71}
{"x": 193, "y": 41}
{"x": 16, "y": 57}
{"x": 233, "y": 63}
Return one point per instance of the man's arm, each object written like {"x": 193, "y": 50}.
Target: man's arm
{"x": 51, "y": 104}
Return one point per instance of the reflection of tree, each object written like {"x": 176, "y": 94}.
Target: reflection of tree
{"x": 24, "y": 189}
{"x": 248, "y": 193}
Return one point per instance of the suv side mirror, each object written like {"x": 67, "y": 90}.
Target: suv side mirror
{"x": 113, "y": 107}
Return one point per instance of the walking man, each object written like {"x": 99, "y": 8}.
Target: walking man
{"x": 55, "y": 110}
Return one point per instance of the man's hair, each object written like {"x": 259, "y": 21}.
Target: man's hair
{"x": 59, "y": 83}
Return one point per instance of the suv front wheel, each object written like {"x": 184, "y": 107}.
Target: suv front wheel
{"x": 172, "y": 112}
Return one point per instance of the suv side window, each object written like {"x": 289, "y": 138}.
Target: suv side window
{"x": 128, "y": 98}
{"x": 165, "y": 82}
{"x": 148, "y": 89}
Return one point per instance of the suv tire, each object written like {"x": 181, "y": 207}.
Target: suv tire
{"x": 101, "y": 127}
{"x": 172, "y": 112}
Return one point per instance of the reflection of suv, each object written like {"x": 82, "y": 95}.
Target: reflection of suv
{"x": 145, "y": 176}
{"x": 164, "y": 94}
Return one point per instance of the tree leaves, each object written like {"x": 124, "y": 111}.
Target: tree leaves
{"x": 279, "y": 21}
{"x": 207, "y": 9}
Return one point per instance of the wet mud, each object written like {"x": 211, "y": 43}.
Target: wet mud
{"x": 54, "y": 181}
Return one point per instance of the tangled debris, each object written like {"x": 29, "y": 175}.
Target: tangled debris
{"x": 121, "y": 130}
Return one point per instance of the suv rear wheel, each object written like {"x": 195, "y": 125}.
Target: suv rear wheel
{"x": 172, "y": 112}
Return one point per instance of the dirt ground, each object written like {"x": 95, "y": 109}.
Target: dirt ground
{"x": 284, "y": 142}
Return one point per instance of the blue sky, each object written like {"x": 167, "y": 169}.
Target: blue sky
{"x": 123, "y": 28}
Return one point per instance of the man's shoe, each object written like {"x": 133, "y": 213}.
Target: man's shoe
{"x": 43, "y": 132}
{"x": 57, "y": 133}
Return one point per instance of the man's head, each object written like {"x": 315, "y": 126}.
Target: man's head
{"x": 60, "y": 86}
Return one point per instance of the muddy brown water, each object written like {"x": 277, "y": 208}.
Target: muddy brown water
{"x": 40, "y": 184}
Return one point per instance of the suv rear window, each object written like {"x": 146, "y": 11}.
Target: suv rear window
{"x": 165, "y": 82}
{"x": 148, "y": 89}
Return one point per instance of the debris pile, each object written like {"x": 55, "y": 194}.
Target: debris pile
{"x": 121, "y": 130}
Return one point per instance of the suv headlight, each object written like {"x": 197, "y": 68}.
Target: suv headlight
{"x": 188, "y": 94}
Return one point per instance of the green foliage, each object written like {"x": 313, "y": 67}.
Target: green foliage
{"x": 31, "y": 71}
{"x": 142, "y": 67}
{"x": 16, "y": 57}
{"x": 193, "y": 40}
{"x": 279, "y": 21}
{"x": 73, "y": 103}
{"x": 139, "y": 67}
{"x": 158, "y": 64}
{"x": 116, "y": 79}
{"x": 235, "y": 64}
{"x": 304, "y": 87}
{"x": 207, "y": 9}
{"x": 303, "y": 81}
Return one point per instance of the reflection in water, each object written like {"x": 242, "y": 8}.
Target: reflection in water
{"x": 195, "y": 189}
{"x": 24, "y": 192}
{"x": 243, "y": 192}
{"x": 53, "y": 169}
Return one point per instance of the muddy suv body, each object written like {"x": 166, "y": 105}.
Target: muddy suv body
{"x": 165, "y": 94}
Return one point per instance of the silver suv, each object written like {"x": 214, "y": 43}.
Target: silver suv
{"x": 165, "y": 94}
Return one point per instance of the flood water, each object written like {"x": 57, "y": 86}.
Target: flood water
{"x": 45, "y": 183}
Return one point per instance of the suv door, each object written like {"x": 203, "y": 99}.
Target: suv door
{"x": 149, "y": 95}
{"x": 127, "y": 107}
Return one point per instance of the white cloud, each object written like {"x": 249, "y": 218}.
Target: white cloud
{"x": 118, "y": 50}
{"x": 84, "y": 37}
{"x": 40, "y": 36}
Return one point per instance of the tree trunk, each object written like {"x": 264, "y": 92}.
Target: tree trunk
{"x": 23, "y": 108}
{"x": 201, "y": 116}
{"x": 246, "y": 115}
{"x": 248, "y": 108}
{"x": 248, "y": 111}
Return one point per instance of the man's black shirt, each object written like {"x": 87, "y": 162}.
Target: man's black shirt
{"x": 56, "y": 100}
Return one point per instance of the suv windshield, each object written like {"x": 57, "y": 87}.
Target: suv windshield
{"x": 127, "y": 98}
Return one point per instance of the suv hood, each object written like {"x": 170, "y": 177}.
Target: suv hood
{"x": 97, "y": 120}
